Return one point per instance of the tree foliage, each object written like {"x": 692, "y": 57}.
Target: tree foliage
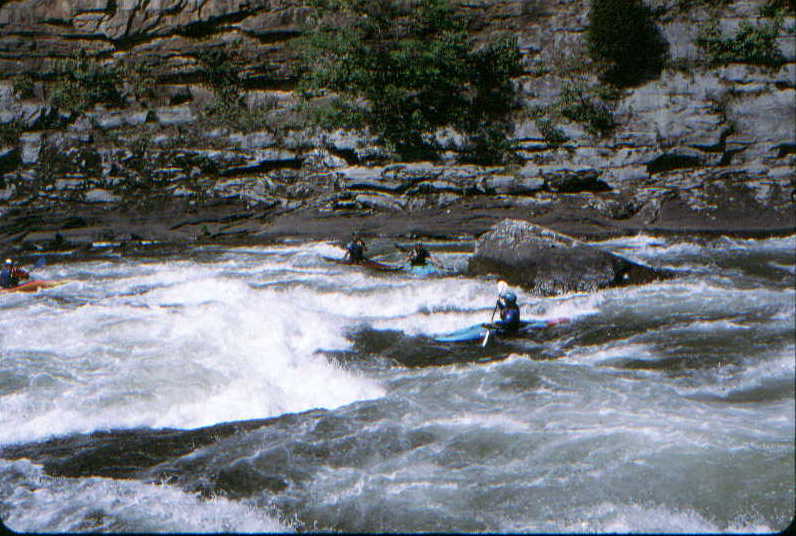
{"x": 404, "y": 69}
{"x": 754, "y": 44}
{"x": 81, "y": 83}
{"x": 622, "y": 37}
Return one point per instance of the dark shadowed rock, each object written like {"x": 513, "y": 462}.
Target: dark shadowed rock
{"x": 568, "y": 181}
{"x": 546, "y": 262}
{"x": 130, "y": 453}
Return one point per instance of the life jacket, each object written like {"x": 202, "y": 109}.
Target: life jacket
{"x": 418, "y": 257}
{"x": 8, "y": 278}
{"x": 509, "y": 317}
{"x": 356, "y": 252}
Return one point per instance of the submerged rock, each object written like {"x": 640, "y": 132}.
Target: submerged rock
{"x": 546, "y": 262}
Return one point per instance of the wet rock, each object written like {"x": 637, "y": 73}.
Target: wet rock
{"x": 507, "y": 184}
{"x": 567, "y": 181}
{"x": 122, "y": 453}
{"x": 252, "y": 140}
{"x": 242, "y": 479}
{"x": 673, "y": 160}
{"x": 9, "y": 158}
{"x": 321, "y": 159}
{"x": 380, "y": 201}
{"x": 354, "y": 147}
{"x": 31, "y": 147}
{"x": 367, "y": 178}
{"x": 99, "y": 195}
{"x": 547, "y": 263}
{"x": 120, "y": 118}
{"x": 175, "y": 115}
{"x": 7, "y": 193}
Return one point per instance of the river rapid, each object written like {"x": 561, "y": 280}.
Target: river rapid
{"x": 666, "y": 407}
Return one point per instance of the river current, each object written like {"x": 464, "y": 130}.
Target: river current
{"x": 666, "y": 407}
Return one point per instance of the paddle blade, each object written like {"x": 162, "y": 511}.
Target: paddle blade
{"x": 486, "y": 339}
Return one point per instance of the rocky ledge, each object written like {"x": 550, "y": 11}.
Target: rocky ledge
{"x": 424, "y": 201}
{"x": 702, "y": 148}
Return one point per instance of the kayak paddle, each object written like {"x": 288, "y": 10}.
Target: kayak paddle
{"x": 502, "y": 286}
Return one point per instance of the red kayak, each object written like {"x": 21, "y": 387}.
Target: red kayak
{"x": 34, "y": 285}
{"x": 367, "y": 263}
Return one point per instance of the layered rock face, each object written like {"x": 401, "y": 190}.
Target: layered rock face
{"x": 548, "y": 263}
{"x": 696, "y": 134}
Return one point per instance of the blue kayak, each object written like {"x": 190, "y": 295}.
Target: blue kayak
{"x": 425, "y": 269}
{"x": 477, "y": 332}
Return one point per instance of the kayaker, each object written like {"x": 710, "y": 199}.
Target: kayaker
{"x": 355, "y": 250}
{"x": 11, "y": 275}
{"x": 418, "y": 255}
{"x": 509, "y": 313}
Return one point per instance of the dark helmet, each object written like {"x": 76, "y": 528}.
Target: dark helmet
{"x": 508, "y": 298}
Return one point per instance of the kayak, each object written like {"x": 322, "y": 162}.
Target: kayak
{"x": 367, "y": 263}
{"x": 425, "y": 269}
{"x": 477, "y": 332}
{"x": 34, "y": 285}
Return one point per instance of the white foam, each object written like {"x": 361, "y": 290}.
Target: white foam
{"x": 784, "y": 243}
{"x": 205, "y": 349}
{"x": 756, "y": 372}
{"x": 41, "y": 503}
{"x": 613, "y": 351}
{"x": 477, "y": 421}
{"x": 635, "y": 518}
{"x": 645, "y": 247}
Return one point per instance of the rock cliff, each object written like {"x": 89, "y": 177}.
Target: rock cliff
{"x": 714, "y": 141}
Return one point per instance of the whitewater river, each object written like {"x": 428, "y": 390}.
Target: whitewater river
{"x": 667, "y": 407}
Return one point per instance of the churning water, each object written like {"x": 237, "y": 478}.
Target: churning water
{"x": 667, "y": 407}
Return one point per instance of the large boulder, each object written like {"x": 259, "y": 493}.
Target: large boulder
{"x": 546, "y": 263}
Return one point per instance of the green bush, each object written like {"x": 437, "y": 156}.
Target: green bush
{"x": 778, "y": 8}
{"x": 579, "y": 103}
{"x": 10, "y": 132}
{"x": 755, "y": 44}
{"x": 24, "y": 86}
{"x": 139, "y": 80}
{"x": 334, "y": 114}
{"x": 488, "y": 145}
{"x": 229, "y": 109}
{"x": 576, "y": 104}
{"x": 623, "y": 39}
{"x": 685, "y": 5}
{"x": 220, "y": 72}
{"x": 406, "y": 69}
{"x": 80, "y": 83}
{"x": 553, "y": 135}
{"x": 219, "y": 69}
